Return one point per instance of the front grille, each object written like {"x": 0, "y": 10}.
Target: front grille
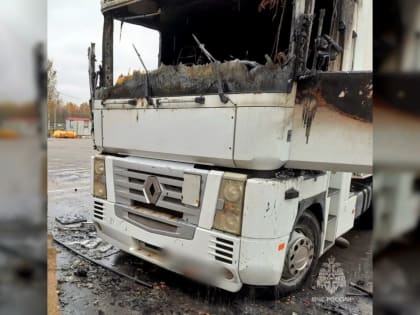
{"x": 222, "y": 250}
{"x": 98, "y": 210}
{"x": 152, "y": 195}
{"x": 130, "y": 184}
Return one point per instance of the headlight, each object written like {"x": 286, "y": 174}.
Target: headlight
{"x": 231, "y": 195}
{"x": 99, "y": 166}
{"x": 99, "y": 177}
{"x": 232, "y": 190}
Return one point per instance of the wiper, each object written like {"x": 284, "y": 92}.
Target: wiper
{"x": 148, "y": 90}
{"x": 216, "y": 68}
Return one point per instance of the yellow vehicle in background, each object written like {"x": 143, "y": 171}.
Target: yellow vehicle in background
{"x": 64, "y": 134}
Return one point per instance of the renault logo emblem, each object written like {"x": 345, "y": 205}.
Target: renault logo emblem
{"x": 152, "y": 189}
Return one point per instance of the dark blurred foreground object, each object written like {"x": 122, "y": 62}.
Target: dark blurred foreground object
{"x": 23, "y": 200}
{"x": 397, "y": 156}
{"x": 397, "y": 194}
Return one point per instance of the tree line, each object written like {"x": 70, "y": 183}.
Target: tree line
{"x": 58, "y": 111}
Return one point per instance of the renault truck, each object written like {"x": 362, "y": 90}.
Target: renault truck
{"x": 244, "y": 156}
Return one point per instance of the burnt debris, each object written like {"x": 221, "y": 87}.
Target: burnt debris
{"x": 181, "y": 80}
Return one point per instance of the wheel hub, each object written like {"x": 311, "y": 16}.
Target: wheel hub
{"x": 300, "y": 254}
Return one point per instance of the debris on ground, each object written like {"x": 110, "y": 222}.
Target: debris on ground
{"x": 87, "y": 226}
{"x": 84, "y": 239}
{"x": 334, "y": 308}
{"x": 90, "y": 244}
{"x": 75, "y": 226}
{"x": 70, "y": 219}
{"x": 81, "y": 272}
{"x": 358, "y": 287}
{"x": 361, "y": 282}
{"x": 105, "y": 248}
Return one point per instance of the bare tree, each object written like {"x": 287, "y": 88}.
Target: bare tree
{"x": 53, "y": 98}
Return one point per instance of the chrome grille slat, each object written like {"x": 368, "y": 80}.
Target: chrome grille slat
{"x": 157, "y": 187}
{"x": 127, "y": 195}
{"x": 164, "y": 204}
{"x": 126, "y": 184}
{"x": 130, "y": 174}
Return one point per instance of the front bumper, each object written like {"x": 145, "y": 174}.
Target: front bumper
{"x": 212, "y": 257}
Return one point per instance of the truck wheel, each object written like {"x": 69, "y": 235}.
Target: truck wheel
{"x": 302, "y": 254}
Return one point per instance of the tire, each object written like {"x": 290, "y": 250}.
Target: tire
{"x": 306, "y": 225}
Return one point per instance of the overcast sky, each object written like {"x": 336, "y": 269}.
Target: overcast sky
{"x": 72, "y": 26}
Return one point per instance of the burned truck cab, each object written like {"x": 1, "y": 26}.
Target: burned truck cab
{"x": 227, "y": 81}
{"x": 257, "y": 110}
{"x": 219, "y": 69}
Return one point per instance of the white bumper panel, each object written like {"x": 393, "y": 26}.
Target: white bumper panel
{"x": 261, "y": 260}
{"x": 208, "y": 257}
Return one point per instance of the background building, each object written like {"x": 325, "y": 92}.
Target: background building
{"x": 81, "y": 126}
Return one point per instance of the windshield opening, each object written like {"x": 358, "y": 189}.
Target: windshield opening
{"x": 145, "y": 40}
{"x": 244, "y": 30}
{"x": 249, "y": 41}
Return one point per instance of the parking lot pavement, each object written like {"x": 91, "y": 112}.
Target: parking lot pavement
{"x": 99, "y": 291}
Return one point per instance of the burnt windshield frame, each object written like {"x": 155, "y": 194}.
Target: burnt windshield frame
{"x": 107, "y": 78}
{"x": 107, "y": 75}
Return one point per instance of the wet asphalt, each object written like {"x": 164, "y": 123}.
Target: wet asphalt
{"x": 85, "y": 288}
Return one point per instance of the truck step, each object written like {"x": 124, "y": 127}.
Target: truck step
{"x": 330, "y": 232}
{"x": 331, "y": 218}
{"x": 332, "y": 191}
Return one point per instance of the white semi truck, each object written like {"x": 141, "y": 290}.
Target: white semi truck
{"x": 243, "y": 157}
